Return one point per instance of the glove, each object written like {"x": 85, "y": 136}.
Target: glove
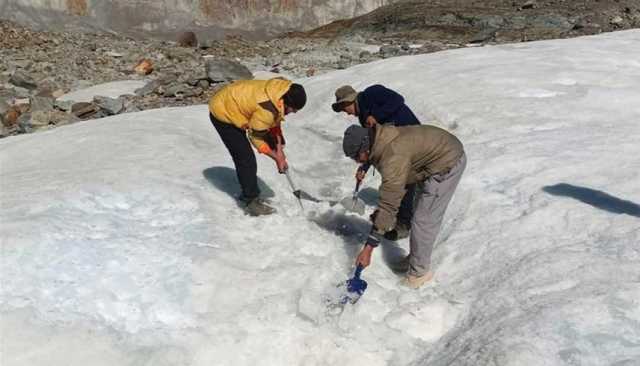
{"x": 373, "y": 216}
{"x": 373, "y": 240}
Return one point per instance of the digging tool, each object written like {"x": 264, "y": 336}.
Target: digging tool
{"x": 353, "y": 203}
{"x": 347, "y": 292}
{"x": 296, "y": 192}
{"x": 355, "y": 287}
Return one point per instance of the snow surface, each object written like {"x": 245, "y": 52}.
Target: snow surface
{"x": 122, "y": 243}
{"x": 112, "y": 89}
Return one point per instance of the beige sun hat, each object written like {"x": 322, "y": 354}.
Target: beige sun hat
{"x": 344, "y": 95}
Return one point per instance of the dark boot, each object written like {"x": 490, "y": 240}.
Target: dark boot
{"x": 403, "y": 230}
{"x": 258, "y": 207}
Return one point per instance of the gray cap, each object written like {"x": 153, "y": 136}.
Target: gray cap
{"x": 356, "y": 139}
{"x": 344, "y": 95}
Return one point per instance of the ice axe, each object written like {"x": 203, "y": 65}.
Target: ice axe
{"x": 353, "y": 203}
{"x": 296, "y": 192}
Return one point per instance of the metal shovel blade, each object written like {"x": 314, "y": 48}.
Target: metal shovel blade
{"x": 353, "y": 204}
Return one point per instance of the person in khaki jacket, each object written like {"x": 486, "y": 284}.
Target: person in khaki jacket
{"x": 255, "y": 109}
{"x": 427, "y": 155}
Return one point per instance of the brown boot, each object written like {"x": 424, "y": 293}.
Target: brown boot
{"x": 415, "y": 282}
{"x": 258, "y": 207}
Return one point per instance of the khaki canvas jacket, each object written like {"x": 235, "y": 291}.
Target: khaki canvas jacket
{"x": 406, "y": 155}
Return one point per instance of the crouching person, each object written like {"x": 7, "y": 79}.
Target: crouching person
{"x": 250, "y": 112}
{"x": 427, "y": 155}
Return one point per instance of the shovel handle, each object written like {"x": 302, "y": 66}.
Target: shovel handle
{"x": 355, "y": 191}
{"x": 358, "y": 272}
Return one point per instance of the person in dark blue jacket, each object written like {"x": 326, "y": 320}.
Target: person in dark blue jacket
{"x": 378, "y": 104}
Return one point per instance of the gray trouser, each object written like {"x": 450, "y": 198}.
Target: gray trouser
{"x": 432, "y": 198}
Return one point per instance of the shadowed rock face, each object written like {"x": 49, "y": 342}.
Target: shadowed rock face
{"x": 253, "y": 18}
{"x": 488, "y": 21}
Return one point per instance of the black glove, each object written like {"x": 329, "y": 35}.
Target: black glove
{"x": 374, "y": 238}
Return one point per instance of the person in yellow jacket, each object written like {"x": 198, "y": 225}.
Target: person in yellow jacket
{"x": 250, "y": 112}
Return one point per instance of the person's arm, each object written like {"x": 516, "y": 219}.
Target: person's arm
{"x": 259, "y": 133}
{"x": 362, "y": 171}
{"x": 394, "y": 172}
{"x": 392, "y": 190}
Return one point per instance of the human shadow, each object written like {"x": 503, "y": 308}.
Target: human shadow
{"x": 226, "y": 180}
{"x": 354, "y": 231}
{"x": 595, "y": 198}
{"x": 369, "y": 196}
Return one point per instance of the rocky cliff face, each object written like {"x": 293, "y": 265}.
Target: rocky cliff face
{"x": 257, "y": 18}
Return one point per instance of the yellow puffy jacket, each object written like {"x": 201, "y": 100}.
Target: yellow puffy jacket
{"x": 253, "y": 105}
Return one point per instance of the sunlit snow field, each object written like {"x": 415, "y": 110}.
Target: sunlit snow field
{"x": 122, "y": 243}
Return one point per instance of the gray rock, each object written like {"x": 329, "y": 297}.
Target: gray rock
{"x": 40, "y": 119}
{"x": 24, "y": 123}
{"x": 616, "y": 21}
{"x": 187, "y": 39}
{"x": 84, "y": 110}
{"x": 149, "y": 88}
{"x": 389, "y": 50}
{"x": 41, "y": 104}
{"x": 364, "y": 55}
{"x": 175, "y": 89}
{"x": 66, "y": 118}
{"x": 484, "y": 35}
{"x": 206, "y": 43}
{"x": 203, "y": 84}
{"x": 488, "y": 21}
{"x": 110, "y": 106}
{"x": 219, "y": 70}
{"x": 20, "y": 92}
{"x": 20, "y": 64}
{"x": 22, "y": 80}
{"x": 63, "y": 105}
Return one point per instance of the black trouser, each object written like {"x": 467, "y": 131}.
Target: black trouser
{"x": 235, "y": 139}
{"x": 405, "y": 212}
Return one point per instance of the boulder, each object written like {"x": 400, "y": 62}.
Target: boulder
{"x": 109, "y": 105}
{"x": 11, "y": 116}
{"x": 187, "y": 39}
{"x": 41, "y": 103}
{"x": 22, "y": 80}
{"x": 84, "y": 110}
{"x": 63, "y": 105}
{"x": 144, "y": 67}
{"x": 149, "y": 88}
{"x": 220, "y": 70}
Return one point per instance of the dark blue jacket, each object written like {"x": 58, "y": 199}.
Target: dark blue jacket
{"x": 385, "y": 105}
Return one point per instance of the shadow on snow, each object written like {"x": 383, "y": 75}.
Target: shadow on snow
{"x": 595, "y": 198}
{"x": 354, "y": 230}
{"x": 226, "y": 180}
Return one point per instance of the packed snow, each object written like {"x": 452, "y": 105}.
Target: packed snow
{"x": 112, "y": 89}
{"x": 122, "y": 243}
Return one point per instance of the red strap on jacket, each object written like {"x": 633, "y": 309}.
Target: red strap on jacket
{"x": 276, "y": 132}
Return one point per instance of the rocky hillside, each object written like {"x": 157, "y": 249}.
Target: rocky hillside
{"x": 211, "y": 18}
{"x": 487, "y": 21}
{"x": 39, "y": 66}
